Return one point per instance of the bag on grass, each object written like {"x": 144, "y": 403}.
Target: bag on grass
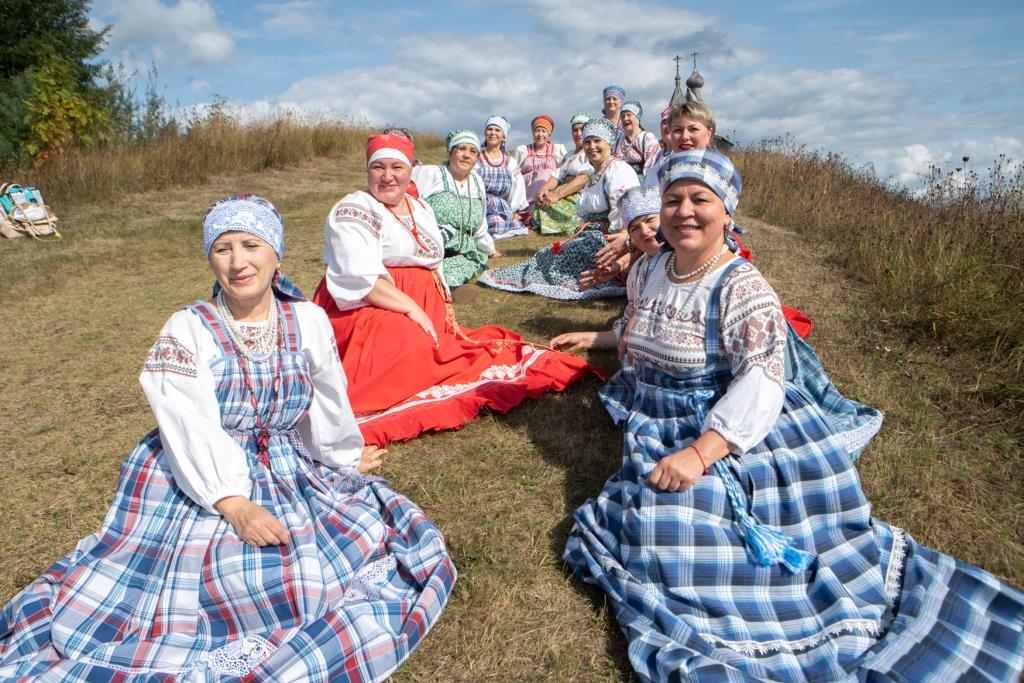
{"x": 23, "y": 212}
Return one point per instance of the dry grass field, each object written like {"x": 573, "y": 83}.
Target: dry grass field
{"x": 79, "y": 316}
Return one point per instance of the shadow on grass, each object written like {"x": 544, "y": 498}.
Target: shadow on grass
{"x": 550, "y": 326}
{"x": 573, "y": 432}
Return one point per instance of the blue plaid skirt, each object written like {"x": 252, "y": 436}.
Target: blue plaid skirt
{"x": 501, "y": 219}
{"x": 166, "y": 590}
{"x": 555, "y": 272}
{"x": 870, "y": 605}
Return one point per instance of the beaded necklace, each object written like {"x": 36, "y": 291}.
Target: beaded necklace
{"x": 262, "y": 432}
{"x": 709, "y": 264}
{"x": 260, "y": 341}
{"x": 411, "y": 226}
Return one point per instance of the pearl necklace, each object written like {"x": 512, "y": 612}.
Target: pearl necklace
{"x": 249, "y": 345}
{"x": 710, "y": 264}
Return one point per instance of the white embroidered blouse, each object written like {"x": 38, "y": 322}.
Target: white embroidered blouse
{"x": 430, "y": 180}
{"x": 207, "y": 463}
{"x": 669, "y": 333}
{"x": 362, "y": 238}
{"x": 573, "y": 165}
{"x": 602, "y": 195}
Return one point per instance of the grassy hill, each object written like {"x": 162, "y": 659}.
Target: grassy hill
{"x": 80, "y": 314}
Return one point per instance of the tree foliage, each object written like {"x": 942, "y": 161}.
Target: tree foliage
{"x": 49, "y": 92}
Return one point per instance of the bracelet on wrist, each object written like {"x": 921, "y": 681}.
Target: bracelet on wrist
{"x": 700, "y": 457}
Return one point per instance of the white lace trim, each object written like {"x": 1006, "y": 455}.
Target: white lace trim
{"x": 897, "y": 556}
{"x": 750, "y": 647}
{"x": 174, "y": 671}
{"x": 240, "y": 657}
{"x": 371, "y": 580}
{"x": 442, "y": 392}
{"x": 856, "y": 439}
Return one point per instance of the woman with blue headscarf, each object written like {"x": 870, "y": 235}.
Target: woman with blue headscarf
{"x": 245, "y": 539}
{"x": 735, "y": 543}
{"x": 506, "y": 189}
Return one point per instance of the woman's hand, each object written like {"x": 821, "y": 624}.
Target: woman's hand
{"x": 253, "y": 524}
{"x": 371, "y": 458}
{"x": 598, "y": 276}
{"x": 677, "y": 472}
{"x": 574, "y": 341}
{"x": 618, "y": 244}
{"x": 419, "y": 316}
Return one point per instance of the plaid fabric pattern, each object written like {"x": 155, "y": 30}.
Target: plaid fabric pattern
{"x": 501, "y": 220}
{"x": 166, "y": 590}
{"x": 710, "y": 167}
{"x": 554, "y": 272}
{"x": 872, "y": 606}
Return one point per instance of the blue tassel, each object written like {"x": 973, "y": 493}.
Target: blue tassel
{"x": 766, "y": 546}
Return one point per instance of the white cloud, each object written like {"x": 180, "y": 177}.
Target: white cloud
{"x": 199, "y": 86}
{"x": 439, "y": 81}
{"x": 306, "y": 18}
{"x": 184, "y": 34}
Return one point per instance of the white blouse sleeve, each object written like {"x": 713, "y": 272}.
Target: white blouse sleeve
{"x": 328, "y": 430}
{"x": 207, "y": 463}
{"x": 754, "y": 340}
{"x": 428, "y": 179}
{"x": 517, "y": 195}
{"x": 353, "y": 250}
{"x": 619, "y": 177}
{"x": 520, "y": 153}
{"x": 482, "y": 238}
{"x": 559, "y": 153}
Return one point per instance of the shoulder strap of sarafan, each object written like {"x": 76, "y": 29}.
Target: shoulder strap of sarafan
{"x": 212, "y": 322}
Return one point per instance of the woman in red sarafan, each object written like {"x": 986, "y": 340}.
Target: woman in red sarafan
{"x": 411, "y": 367}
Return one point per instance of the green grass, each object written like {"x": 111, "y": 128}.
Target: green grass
{"x": 80, "y": 315}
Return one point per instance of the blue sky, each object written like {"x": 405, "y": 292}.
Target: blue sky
{"x": 900, "y": 85}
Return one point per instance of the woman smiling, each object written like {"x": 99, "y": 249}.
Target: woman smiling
{"x": 506, "y": 190}
{"x": 245, "y": 541}
{"x": 459, "y": 201}
{"x": 411, "y": 367}
{"x": 735, "y": 542}
{"x": 539, "y": 160}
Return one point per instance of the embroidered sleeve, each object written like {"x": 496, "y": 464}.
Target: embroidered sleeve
{"x": 207, "y": 463}
{"x": 353, "y": 250}
{"x": 358, "y": 215}
{"x": 754, "y": 341}
{"x": 753, "y": 326}
{"x": 169, "y": 354}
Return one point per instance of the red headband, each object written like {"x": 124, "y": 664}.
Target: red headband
{"x": 389, "y": 146}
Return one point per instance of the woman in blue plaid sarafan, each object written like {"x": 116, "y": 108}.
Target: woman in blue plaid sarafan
{"x": 245, "y": 538}
{"x": 735, "y": 543}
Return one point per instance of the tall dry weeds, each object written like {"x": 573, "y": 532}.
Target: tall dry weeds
{"x": 945, "y": 263}
{"x": 188, "y": 154}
